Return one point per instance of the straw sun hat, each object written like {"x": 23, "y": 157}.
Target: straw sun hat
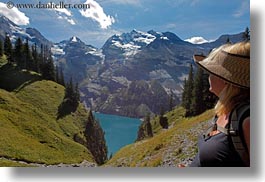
{"x": 231, "y": 67}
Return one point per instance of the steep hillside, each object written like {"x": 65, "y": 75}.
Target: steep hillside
{"x": 167, "y": 148}
{"x": 29, "y": 130}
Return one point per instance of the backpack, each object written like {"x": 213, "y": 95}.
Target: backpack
{"x": 235, "y": 130}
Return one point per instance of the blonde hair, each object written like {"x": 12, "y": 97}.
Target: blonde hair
{"x": 232, "y": 95}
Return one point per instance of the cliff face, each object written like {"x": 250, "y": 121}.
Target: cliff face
{"x": 95, "y": 140}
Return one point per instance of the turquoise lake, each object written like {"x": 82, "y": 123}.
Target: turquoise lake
{"x": 119, "y": 131}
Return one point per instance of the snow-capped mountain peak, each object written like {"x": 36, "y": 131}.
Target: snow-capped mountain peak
{"x": 74, "y": 39}
{"x": 129, "y": 43}
{"x": 74, "y": 46}
{"x": 11, "y": 29}
{"x": 5, "y": 20}
{"x": 142, "y": 37}
{"x": 134, "y": 38}
{"x": 15, "y": 31}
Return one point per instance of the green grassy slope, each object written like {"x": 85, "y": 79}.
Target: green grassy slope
{"x": 168, "y": 147}
{"x": 29, "y": 130}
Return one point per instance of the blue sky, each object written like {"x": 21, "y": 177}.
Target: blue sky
{"x": 186, "y": 18}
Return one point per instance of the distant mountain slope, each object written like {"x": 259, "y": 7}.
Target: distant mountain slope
{"x": 30, "y": 132}
{"x": 136, "y": 57}
{"x": 75, "y": 58}
{"x": 168, "y": 148}
{"x": 120, "y": 47}
{"x": 14, "y": 31}
{"x": 223, "y": 39}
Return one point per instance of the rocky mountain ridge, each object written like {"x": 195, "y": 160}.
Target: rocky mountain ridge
{"x": 14, "y": 31}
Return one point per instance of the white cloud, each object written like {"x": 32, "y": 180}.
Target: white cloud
{"x": 197, "y": 40}
{"x": 244, "y": 7}
{"x": 14, "y": 15}
{"x": 69, "y": 20}
{"x": 62, "y": 10}
{"x": 96, "y": 13}
{"x": 64, "y": 14}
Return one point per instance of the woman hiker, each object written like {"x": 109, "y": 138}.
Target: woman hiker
{"x": 227, "y": 142}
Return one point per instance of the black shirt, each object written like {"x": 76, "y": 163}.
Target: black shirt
{"x": 216, "y": 151}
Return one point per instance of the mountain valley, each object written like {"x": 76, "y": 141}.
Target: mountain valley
{"x": 152, "y": 64}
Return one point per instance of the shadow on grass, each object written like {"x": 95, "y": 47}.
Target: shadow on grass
{"x": 65, "y": 108}
{"x": 14, "y": 79}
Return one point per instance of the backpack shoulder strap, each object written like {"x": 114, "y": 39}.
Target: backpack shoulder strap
{"x": 235, "y": 130}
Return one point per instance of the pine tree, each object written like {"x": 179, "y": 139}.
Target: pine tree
{"x": 27, "y": 57}
{"x": 8, "y": 49}
{"x": 18, "y": 53}
{"x": 209, "y": 99}
{"x": 70, "y": 101}
{"x": 163, "y": 121}
{"x": 61, "y": 77}
{"x": 96, "y": 142}
{"x": 171, "y": 101}
{"x": 197, "y": 104}
{"x": 148, "y": 126}
{"x": 76, "y": 93}
{"x": 188, "y": 92}
{"x": 36, "y": 60}
{"x": 41, "y": 55}
{"x": 72, "y": 93}
{"x": 184, "y": 94}
{"x": 246, "y": 34}
{"x": 48, "y": 71}
{"x": 228, "y": 41}
{"x": 69, "y": 89}
{"x": 145, "y": 129}
{"x": 1, "y": 49}
{"x": 57, "y": 77}
{"x": 140, "y": 133}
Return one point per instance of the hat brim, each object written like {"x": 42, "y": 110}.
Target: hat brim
{"x": 211, "y": 70}
{"x": 214, "y": 70}
{"x": 198, "y": 58}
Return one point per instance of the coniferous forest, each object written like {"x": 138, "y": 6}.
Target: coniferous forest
{"x": 31, "y": 58}
{"x": 196, "y": 97}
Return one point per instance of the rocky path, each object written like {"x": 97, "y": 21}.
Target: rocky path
{"x": 32, "y": 164}
{"x": 183, "y": 144}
